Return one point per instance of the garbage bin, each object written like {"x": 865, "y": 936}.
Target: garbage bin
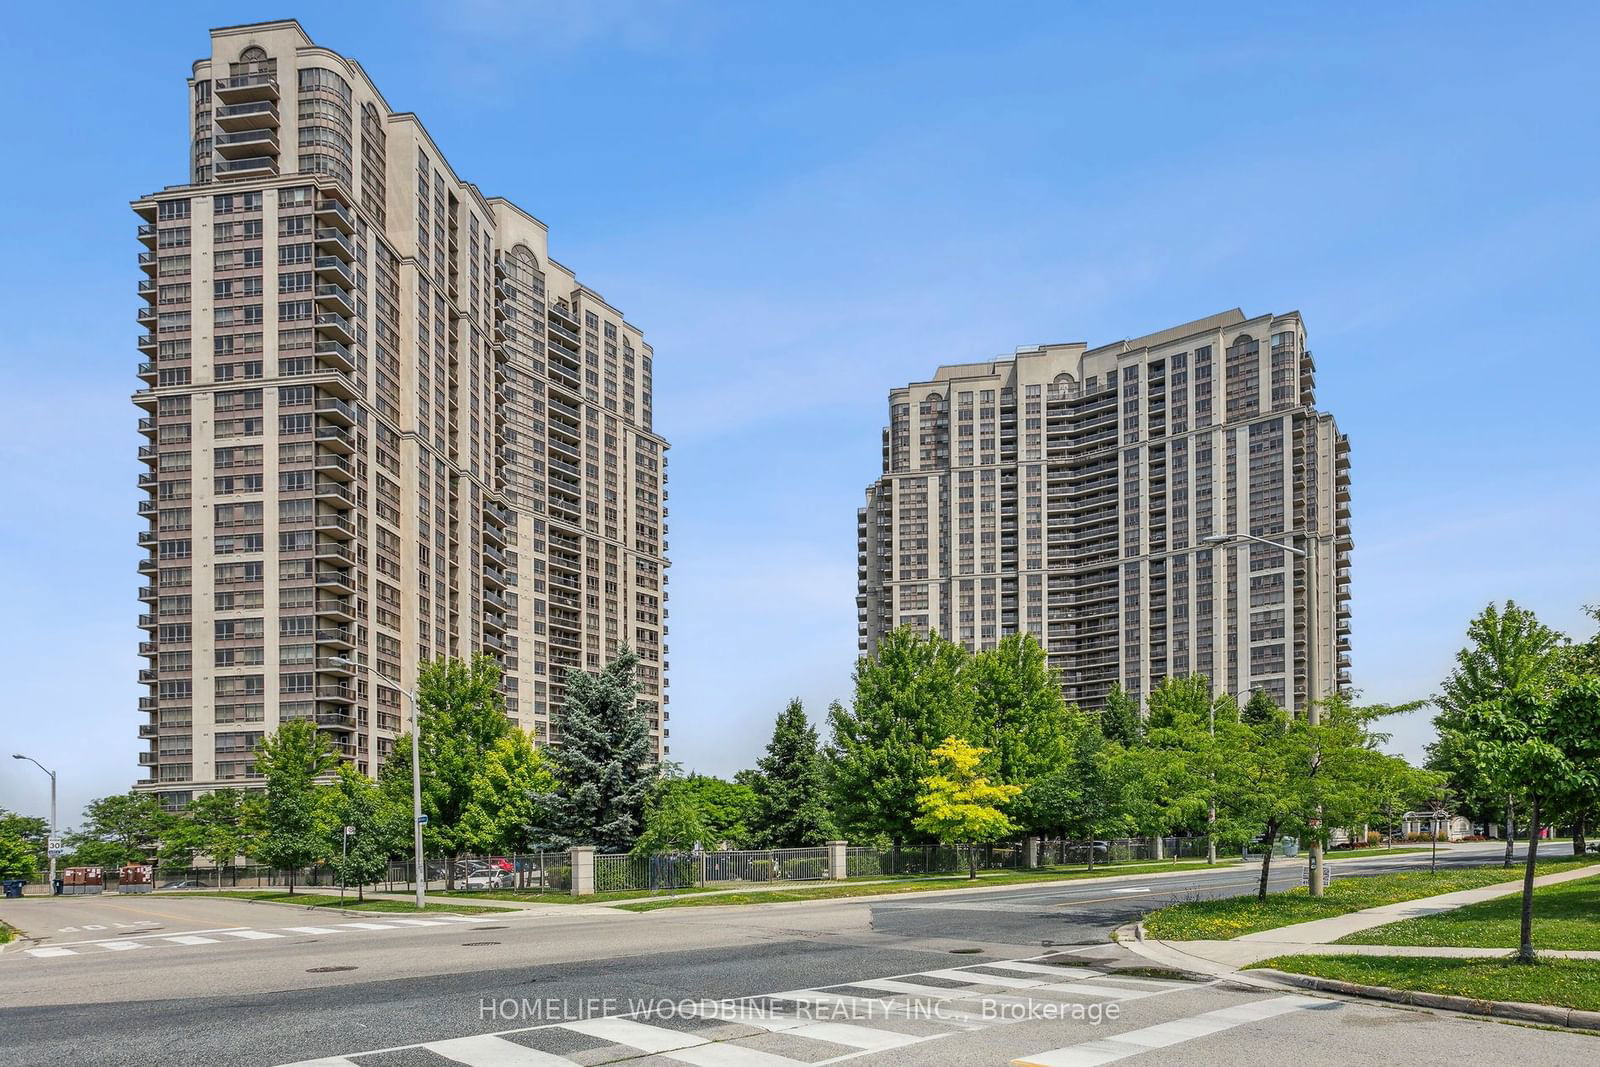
{"x": 13, "y": 887}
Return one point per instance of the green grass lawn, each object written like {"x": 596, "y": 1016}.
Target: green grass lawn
{"x": 1565, "y": 916}
{"x": 835, "y": 890}
{"x": 6, "y": 933}
{"x": 1357, "y": 853}
{"x": 528, "y": 896}
{"x": 1568, "y": 983}
{"x": 320, "y": 900}
{"x": 1221, "y": 920}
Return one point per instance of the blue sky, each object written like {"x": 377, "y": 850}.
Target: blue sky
{"x": 806, "y": 204}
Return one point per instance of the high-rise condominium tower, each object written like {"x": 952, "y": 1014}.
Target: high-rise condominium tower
{"x": 1070, "y": 493}
{"x": 381, "y": 425}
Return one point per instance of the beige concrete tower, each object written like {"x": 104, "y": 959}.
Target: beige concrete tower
{"x": 1069, "y": 492}
{"x": 381, "y": 424}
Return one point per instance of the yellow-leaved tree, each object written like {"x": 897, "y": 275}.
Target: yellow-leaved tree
{"x": 959, "y": 805}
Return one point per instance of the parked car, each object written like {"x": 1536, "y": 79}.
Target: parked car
{"x": 186, "y": 885}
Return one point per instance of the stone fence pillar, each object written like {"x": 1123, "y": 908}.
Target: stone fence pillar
{"x": 582, "y": 870}
{"x": 838, "y": 859}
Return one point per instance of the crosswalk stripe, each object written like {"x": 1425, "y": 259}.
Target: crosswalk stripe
{"x": 894, "y": 985}
{"x": 862, "y": 1037}
{"x": 1162, "y": 1035}
{"x": 730, "y": 1056}
{"x": 1110, "y": 992}
{"x": 1042, "y": 968}
{"x": 641, "y": 1036}
{"x": 46, "y": 952}
{"x": 367, "y": 926}
{"x": 490, "y": 1051}
{"x": 121, "y": 946}
{"x": 190, "y": 939}
{"x": 416, "y": 922}
{"x": 249, "y": 935}
{"x": 312, "y": 930}
{"x": 460, "y": 918}
{"x": 955, "y": 975}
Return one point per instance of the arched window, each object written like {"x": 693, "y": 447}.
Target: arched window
{"x": 253, "y": 54}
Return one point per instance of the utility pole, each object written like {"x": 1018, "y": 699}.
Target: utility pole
{"x": 53, "y": 843}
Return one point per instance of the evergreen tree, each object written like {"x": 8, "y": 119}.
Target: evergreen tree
{"x": 291, "y": 760}
{"x": 1119, "y": 719}
{"x": 909, "y": 696}
{"x": 791, "y": 804}
{"x": 604, "y": 762}
{"x": 1260, "y": 709}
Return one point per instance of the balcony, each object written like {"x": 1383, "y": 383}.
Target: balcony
{"x": 331, "y": 240}
{"x": 256, "y": 115}
{"x": 336, "y": 335}
{"x": 148, "y": 566}
{"x": 147, "y": 622}
{"x": 336, "y": 494}
{"x": 251, "y": 167}
{"x": 335, "y": 298}
{"x": 335, "y": 665}
{"x": 334, "y": 466}
{"x": 147, "y": 538}
{"x": 336, "y": 439}
{"x": 147, "y": 729}
{"x": 336, "y": 582}
{"x": 335, "y": 525}
{"x": 338, "y": 693}
{"x": 333, "y": 551}
{"x": 147, "y": 234}
{"x": 333, "y": 269}
{"x": 147, "y": 759}
{"x": 147, "y": 426}
{"x": 493, "y": 533}
{"x": 335, "y": 608}
{"x": 147, "y": 676}
{"x": 336, "y": 409}
{"x": 147, "y": 648}
{"x": 494, "y": 621}
{"x": 147, "y": 262}
{"x": 247, "y": 144}
{"x": 243, "y": 88}
{"x": 335, "y": 636}
{"x": 148, "y": 594}
{"x": 147, "y": 507}
{"x": 148, "y": 454}
{"x": 335, "y": 214}
{"x": 494, "y": 578}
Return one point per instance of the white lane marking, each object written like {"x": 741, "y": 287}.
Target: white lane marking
{"x": 416, "y": 922}
{"x": 1139, "y": 890}
{"x": 862, "y": 1037}
{"x": 1162, "y": 1035}
{"x": 189, "y": 939}
{"x": 367, "y": 926}
{"x": 489, "y": 1051}
{"x": 313, "y": 930}
{"x": 44, "y": 953}
{"x": 730, "y": 1056}
{"x": 123, "y": 946}
{"x": 326, "y": 1061}
{"x": 250, "y": 935}
{"x": 641, "y": 1036}
{"x": 463, "y": 919}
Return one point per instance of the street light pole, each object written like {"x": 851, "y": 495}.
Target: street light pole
{"x": 1313, "y": 708}
{"x": 419, "y": 869}
{"x": 50, "y": 843}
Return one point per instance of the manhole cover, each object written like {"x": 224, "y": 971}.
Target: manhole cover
{"x": 326, "y": 970}
{"x": 477, "y": 944}
{"x": 966, "y": 951}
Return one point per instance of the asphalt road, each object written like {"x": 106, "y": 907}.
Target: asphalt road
{"x": 197, "y": 981}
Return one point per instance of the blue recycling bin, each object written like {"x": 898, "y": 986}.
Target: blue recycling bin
{"x": 13, "y": 887}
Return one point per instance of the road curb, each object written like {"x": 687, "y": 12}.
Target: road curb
{"x": 325, "y": 910}
{"x": 1548, "y": 1014}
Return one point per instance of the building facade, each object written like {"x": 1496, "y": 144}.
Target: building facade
{"x": 380, "y": 425}
{"x": 1070, "y": 492}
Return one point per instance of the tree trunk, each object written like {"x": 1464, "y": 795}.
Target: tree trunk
{"x": 972, "y": 862}
{"x": 1266, "y": 861}
{"x": 1511, "y": 829}
{"x": 1580, "y": 842}
{"x": 1211, "y": 833}
{"x": 1525, "y": 950}
{"x": 450, "y": 875}
{"x": 1091, "y": 852}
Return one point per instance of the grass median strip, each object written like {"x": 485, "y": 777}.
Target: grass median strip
{"x": 1230, "y": 917}
{"x": 1565, "y": 916}
{"x": 840, "y": 890}
{"x": 1563, "y": 982}
{"x": 318, "y": 900}
{"x": 1367, "y": 853}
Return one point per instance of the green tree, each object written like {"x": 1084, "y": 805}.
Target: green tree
{"x": 727, "y": 809}
{"x": 16, "y": 857}
{"x": 1082, "y": 798}
{"x": 380, "y": 825}
{"x": 1119, "y": 719}
{"x": 510, "y": 798}
{"x": 958, "y": 804}
{"x": 215, "y": 825}
{"x": 604, "y": 762}
{"x": 291, "y": 760}
{"x": 462, "y": 716}
{"x": 791, "y": 788}
{"x": 1186, "y": 697}
{"x": 32, "y": 831}
{"x": 1507, "y": 649}
{"x": 1018, "y": 711}
{"x": 672, "y": 816}
{"x": 1260, "y": 709}
{"x": 119, "y": 829}
{"x": 909, "y": 696}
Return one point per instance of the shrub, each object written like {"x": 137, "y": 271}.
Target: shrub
{"x": 558, "y": 877}
{"x": 760, "y": 870}
{"x": 803, "y": 868}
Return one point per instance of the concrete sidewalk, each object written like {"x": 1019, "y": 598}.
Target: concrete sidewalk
{"x": 1316, "y": 937}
